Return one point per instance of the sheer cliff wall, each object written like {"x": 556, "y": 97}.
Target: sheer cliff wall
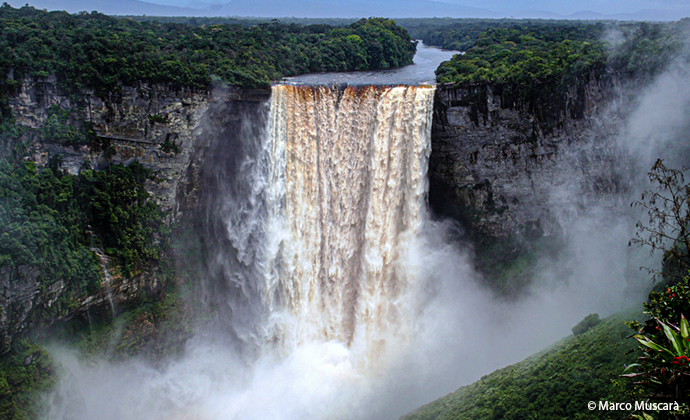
{"x": 513, "y": 170}
{"x": 510, "y": 170}
{"x": 135, "y": 121}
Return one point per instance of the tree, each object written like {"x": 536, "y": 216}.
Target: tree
{"x": 668, "y": 225}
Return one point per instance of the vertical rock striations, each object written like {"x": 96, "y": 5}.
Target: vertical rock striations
{"x": 512, "y": 170}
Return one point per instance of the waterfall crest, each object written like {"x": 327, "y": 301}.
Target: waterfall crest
{"x": 345, "y": 197}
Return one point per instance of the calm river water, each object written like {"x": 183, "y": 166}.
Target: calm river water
{"x": 421, "y": 72}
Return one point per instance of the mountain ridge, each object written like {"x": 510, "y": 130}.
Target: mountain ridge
{"x": 338, "y": 8}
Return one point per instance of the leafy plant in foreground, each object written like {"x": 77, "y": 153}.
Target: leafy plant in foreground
{"x": 666, "y": 365}
{"x": 663, "y": 371}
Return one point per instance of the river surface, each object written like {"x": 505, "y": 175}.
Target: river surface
{"x": 426, "y": 61}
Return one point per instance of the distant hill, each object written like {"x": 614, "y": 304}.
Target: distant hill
{"x": 556, "y": 383}
{"x": 651, "y": 15}
{"x": 271, "y": 8}
{"x": 346, "y": 9}
{"x": 120, "y": 7}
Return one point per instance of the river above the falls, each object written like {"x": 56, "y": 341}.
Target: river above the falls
{"x": 421, "y": 72}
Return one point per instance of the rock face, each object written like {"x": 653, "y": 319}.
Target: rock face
{"x": 136, "y": 121}
{"x": 126, "y": 120}
{"x": 506, "y": 168}
{"x": 19, "y": 293}
{"x": 513, "y": 169}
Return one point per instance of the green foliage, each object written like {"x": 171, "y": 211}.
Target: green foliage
{"x": 64, "y": 127}
{"x": 669, "y": 303}
{"x": 155, "y": 328}
{"x": 539, "y": 67}
{"x": 46, "y": 217}
{"x": 529, "y": 52}
{"x": 510, "y": 264}
{"x": 464, "y": 34}
{"x": 554, "y": 384}
{"x": 25, "y": 372}
{"x": 244, "y": 21}
{"x": 5, "y": 109}
{"x": 41, "y": 224}
{"x": 158, "y": 118}
{"x": 588, "y": 322}
{"x": 120, "y": 212}
{"x": 666, "y": 368}
{"x": 647, "y": 49}
{"x": 526, "y": 55}
{"x": 109, "y": 152}
{"x": 663, "y": 371}
{"x": 170, "y": 147}
{"x": 102, "y": 52}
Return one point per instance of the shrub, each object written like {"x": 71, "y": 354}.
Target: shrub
{"x": 588, "y": 322}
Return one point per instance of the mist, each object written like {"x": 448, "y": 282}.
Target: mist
{"x": 459, "y": 329}
{"x": 461, "y": 333}
{"x": 659, "y": 125}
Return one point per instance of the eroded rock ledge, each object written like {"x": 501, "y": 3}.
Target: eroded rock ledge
{"x": 513, "y": 169}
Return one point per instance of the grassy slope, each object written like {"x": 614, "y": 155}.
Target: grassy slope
{"x": 556, "y": 383}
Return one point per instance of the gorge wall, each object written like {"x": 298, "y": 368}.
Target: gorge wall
{"x": 135, "y": 121}
{"x": 505, "y": 168}
{"x": 512, "y": 170}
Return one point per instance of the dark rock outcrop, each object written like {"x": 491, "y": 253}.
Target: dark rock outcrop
{"x": 512, "y": 169}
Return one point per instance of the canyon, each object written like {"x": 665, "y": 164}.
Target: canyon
{"x": 508, "y": 171}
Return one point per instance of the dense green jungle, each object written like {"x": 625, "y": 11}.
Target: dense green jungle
{"x": 57, "y": 228}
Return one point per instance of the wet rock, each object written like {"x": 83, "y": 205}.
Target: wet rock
{"x": 500, "y": 164}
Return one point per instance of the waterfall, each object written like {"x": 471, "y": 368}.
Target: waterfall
{"x": 342, "y": 178}
{"x": 104, "y": 260}
{"x": 315, "y": 204}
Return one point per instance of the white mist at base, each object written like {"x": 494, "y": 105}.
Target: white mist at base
{"x": 462, "y": 332}
{"x": 407, "y": 285}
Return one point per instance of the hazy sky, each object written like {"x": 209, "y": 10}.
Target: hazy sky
{"x": 549, "y": 9}
{"x": 564, "y": 7}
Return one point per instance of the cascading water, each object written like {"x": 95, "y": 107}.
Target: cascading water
{"x": 315, "y": 207}
{"x": 344, "y": 190}
{"x": 107, "y": 278}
